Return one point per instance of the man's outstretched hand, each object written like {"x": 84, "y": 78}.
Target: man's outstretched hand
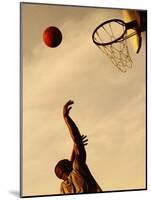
{"x": 84, "y": 139}
{"x": 67, "y": 108}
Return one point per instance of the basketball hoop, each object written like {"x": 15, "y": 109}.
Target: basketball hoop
{"x": 111, "y": 38}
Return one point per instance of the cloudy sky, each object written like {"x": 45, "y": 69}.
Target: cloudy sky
{"x": 109, "y": 105}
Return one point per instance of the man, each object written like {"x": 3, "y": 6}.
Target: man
{"x": 74, "y": 172}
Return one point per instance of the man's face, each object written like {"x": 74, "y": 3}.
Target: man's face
{"x": 62, "y": 174}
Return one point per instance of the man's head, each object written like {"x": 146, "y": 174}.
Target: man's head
{"x": 63, "y": 169}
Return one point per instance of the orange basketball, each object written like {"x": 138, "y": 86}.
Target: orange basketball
{"x": 52, "y": 36}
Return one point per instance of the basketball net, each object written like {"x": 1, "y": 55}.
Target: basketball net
{"x": 119, "y": 54}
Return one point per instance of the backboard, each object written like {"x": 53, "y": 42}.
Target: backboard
{"x": 135, "y": 15}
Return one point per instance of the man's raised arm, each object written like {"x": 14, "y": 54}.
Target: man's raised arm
{"x": 79, "y": 149}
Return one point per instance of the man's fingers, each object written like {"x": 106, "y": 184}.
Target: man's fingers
{"x": 69, "y": 108}
{"x": 70, "y": 102}
{"x": 85, "y": 140}
{"x": 83, "y": 136}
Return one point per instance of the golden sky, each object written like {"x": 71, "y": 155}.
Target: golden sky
{"x": 109, "y": 105}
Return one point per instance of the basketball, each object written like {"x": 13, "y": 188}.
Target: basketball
{"x": 52, "y": 36}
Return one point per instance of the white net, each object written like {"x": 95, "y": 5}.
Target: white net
{"x": 119, "y": 55}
